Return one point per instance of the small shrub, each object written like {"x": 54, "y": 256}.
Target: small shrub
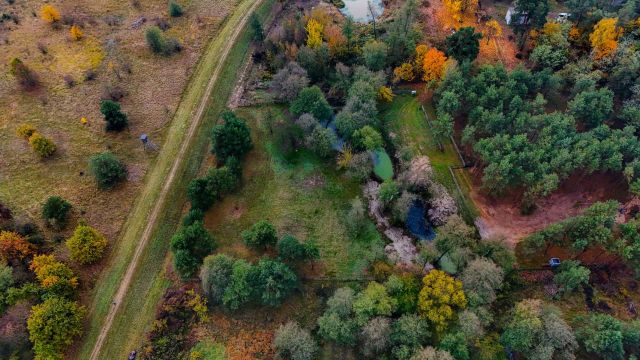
{"x": 115, "y": 118}
{"x": 261, "y": 235}
{"x": 42, "y": 48}
{"x": 90, "y": 74}
{"x": 159, "y": 44}
{"x": 25, "y": 76}
{"x": 55, "y": 211}
{"x": 69, "y": 81}
{"x": 75, "y": 33}
{"x": 43, "y": 146}
{"x": 107, "y": 170}
{"x": 49, "y": 14}
{"x": 25, "y": 131}
{"x": 175, "y": 10}
{"x": 192, "y": 216}
{"x": 86, "y": 245}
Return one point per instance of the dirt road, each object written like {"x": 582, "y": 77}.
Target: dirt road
{"x": 168, "y": 183}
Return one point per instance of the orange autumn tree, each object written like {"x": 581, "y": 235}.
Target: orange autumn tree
{"x": 49, "y": 14}
{"x": 14, "y": 247}
{"x": 433, "y": 65}
{"x": 336, "y": 41}
{"x": 314, "y": 33}
{"x": 604, "y": 38}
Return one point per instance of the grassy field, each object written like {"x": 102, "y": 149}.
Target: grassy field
{"x": 405, "y": 119}
{"x": 301, "y": 195}
{"x": 138, "y": 309}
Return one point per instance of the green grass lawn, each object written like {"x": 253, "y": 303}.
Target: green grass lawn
{"x": 404, "y": 118}
{"x": 301, "y": 195}
{"x": 137, "y": 311}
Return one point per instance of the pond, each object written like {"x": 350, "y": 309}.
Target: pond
{"x": 417, "y": 222}
{"x": 359, "y": 9}
{"x": 382, "y": 165}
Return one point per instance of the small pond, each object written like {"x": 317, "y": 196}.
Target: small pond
{"x": 417, "y": 223}
{"x": 382, "y": 165}
{"x": 359, "y": 9}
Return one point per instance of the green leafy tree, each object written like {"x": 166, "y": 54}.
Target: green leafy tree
{"x": 374, "y": 337}
{"x": 389, "y": 190}
{"x": 337, "y": 323}
{"x": 375, "y": 54}
{"x": 275, "y": 281}
{"x": 239, "y": 290}
{"x": 404, "y": 288}
{"x": 107, "y": 169}
{"x": 442, "y": 128}
{"x": 456, "y": 345}
{"x": 480, "y": 280}
{"x": 311, "y": 100}
{"x": 321, "y": 141}
{"x": 290, "y": 249}
{"x": 190, "y": 245}
{"x": 538, "y": 331}
{"x": 464, "y": 44}
{"x": 261, "y": 235}
{"x": 571, "y": 276}
{"x": 592, "y": 107}
{"x": 215, "y": 275}
{"x": 292, "y": 342}
{"x": 409, "y": 332}
{"x": 86, "y": 244}
{"x": 232, "y": 138}
{"x": 55, "y": 212}
{"x": 367, "y": 138}
{"x": 373, "y": 301}
{"x": 53, "y": 325}
{"x": 115, "y": 119}
{"x": 529, "y": 14}
{"x": 601, "y": 334}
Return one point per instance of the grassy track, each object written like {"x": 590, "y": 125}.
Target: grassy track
{"x": 136, "y": 310}
{"x": 405, "y": 118}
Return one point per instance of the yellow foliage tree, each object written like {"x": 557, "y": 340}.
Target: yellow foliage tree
{"x": 86, "y": 245}
{"x": 314, "y": 33}
{"x": 54, "y": 276}
{"x": 345, "y": 157}
{"x": 418, "y": 62}
{"x": 604, "y": 38}
{"x": 404, "y": 72}
{"x": 385, "y": 94}
{"x": 494, "y": 30}
{"x": 439, "y": 298}
{"x": 457, "y": 8}
{"x": 433, "y": 65}
{"x": 49, "y": 13}
{"x": 76, "y": 33}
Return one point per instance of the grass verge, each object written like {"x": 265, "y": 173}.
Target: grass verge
{"x": 149, "y": 282}
{"x": 405, "y": 119}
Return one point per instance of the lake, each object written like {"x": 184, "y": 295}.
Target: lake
{"x": 359, "y": 9}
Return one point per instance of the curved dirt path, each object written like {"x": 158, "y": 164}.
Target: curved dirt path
{"x": 151, "y": 221}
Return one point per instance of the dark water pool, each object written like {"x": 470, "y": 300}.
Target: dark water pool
{"x": 417, "y": 222}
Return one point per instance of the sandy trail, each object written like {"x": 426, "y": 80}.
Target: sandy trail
{"x": 151, "y": 222}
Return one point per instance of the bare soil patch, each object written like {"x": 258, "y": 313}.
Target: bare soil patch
{"x": 501, "y": 217}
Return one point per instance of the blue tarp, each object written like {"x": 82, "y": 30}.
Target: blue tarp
{"x": 417, "y": 222}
